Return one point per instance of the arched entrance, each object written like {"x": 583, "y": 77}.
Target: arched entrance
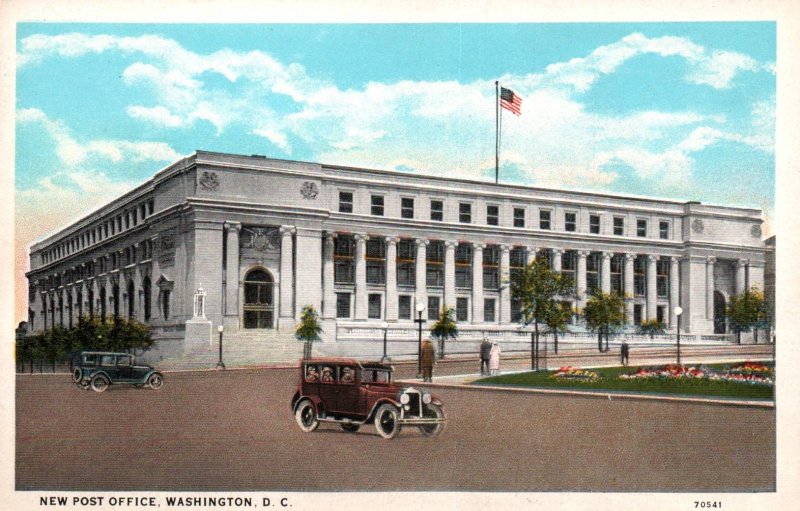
{"x": 719, "y": 313}
{"x": 259, "y": 310}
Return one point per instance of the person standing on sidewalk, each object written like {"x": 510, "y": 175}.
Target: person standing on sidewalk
{"x": 486, "y": 348}
{"x": 624, "y": 352}
{"x": 494, "y": 359}
{"x": 428, "y": 359}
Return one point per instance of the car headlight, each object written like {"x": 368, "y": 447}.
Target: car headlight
{"x": 405, "y": 398}
{"x": 426, "y": 398}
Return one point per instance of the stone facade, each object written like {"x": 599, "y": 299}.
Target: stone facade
{"x": 266, "y": 237}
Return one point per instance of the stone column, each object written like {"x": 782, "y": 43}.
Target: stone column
{"x": 531, "y": 254}
{"x": 450, "y": 273}
{"x": 232, "y": 274}
{"x": 328, "y": 293}
{"x": 628, "y": 277}
{"x": 741, "y": 277}
{"x": 286, "y": 315}
{"x": 420, "y": 281}
{"x": 651, "y": 287}
{"x": 605, "y": 272}
{"x": 710, "y": 287}
{"x": 361, "y": 277}
{"x": 155, "y": 309}
{"x": 505, "y": 284}
{"x": 307, "y": 288}
{"x": 391, "y": 278}
{"x": 674, "y": 290}
{"x": 557, "y": 254}
{"x": 580, "y": 278}
{"x": 477, "y": 282}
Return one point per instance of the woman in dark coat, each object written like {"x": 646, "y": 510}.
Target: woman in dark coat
{"x": 428, "y": 359}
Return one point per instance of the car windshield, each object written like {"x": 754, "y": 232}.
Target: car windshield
{"x": 372, "y": 375}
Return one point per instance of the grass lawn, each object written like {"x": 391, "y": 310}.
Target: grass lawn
{"x": 609, "y": 381}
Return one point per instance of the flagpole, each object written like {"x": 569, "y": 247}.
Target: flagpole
{"x": 497, "y": 130}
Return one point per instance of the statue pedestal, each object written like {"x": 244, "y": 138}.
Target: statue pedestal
{"x": 197, "y": 335}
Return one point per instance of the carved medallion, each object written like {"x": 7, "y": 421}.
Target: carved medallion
{"x": 209, "y": 181}
{"x": 260, "y": 238}
{"x": 755, "y": 231}
{"x": 697, "y": 225}
{"x": 309, "y": 190}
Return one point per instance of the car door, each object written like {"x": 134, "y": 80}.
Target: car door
{"x": 328, "y": 387}
{"x": 124, "y": 368}
{"x": 347, "y": 399}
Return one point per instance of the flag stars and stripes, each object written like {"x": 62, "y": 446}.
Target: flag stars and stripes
{"x": 510, "y": 101}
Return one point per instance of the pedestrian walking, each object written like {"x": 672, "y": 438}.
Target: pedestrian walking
{"x": 486, "y": 348}
{"x": 624, "y": 351}
{"x": 428, "y": 360}
{"x": 494, "y": 359}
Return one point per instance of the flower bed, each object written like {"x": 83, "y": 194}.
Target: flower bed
{"x": 575, "y": 374}
{"x": 752, "y": 368}
{"x": 747, "y": 372}
{"x": 669, "y": 371}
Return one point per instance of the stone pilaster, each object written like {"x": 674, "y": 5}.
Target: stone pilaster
{"x": 450, "y": 273}
{"x": 580, "y": 278}
{"x": 421, "y": 276}
{"x": 557, "y": 259}
{"x": 605, "y": 272}
{"x": 505, "y": 284}
{"x": 741, "y": 276}
{"x": 391, "y": 278}
{"x": 361, "y": 277}
{"x": 628, "y": 284}
{"x": 651, "y": 287}
{"x": 477, "y": 282}
{"x": 233, "y": 229}
{"x": 286, "y": 315}
{"x": 674, "y": 289}
{"x": 328, "y": 293}
{"x": 710, "y": 287}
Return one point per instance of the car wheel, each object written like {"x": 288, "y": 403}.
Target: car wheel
{"x": 155, "y": 381}
{"x": 387, "y": 421}
{"x": 350, "y": 428}
{"x": 306, "y": 416}
{"x": 431, "y": 430}
{"x": 100, "y": 383}
{"x": 77, "y": 374}
{"x": 84, "y": 385}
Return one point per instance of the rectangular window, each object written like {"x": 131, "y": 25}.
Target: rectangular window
{"x": 437, "y": 210}
{"x": 637, "y": 314}
{"x": 663, "y": 230}
{"x": 660, "y": 314}
{"x": 594, "y": 224}
{"x": 433, "y": 308}
{"x": 492, "y": 215}
{"x": 376, "y": 261}
{"x": 406, "y": 207}
{"x": 342, "y": 305}
{"x": 465, "y": 213}
{"x": 374, "y": 306}
{"x": 662, "y": 278}
{"x": 519, "y": 217}
{"x": 463, "y": 260}
{"x": 345, "y": 202}
{"x": 544, "y": 220}
{"x": 641, "y": 228}
{"x": 377, "y": 205}
{"x": 406, "y": 263}
{"x": 491, "y": 267}
{"x": 593, "y": 271}
{"x": 434, "y": 264}
{"x": 344, "y": 249}
{"x": 462, "y": 309}
{"x": 488, "y": 310}
{"x": 619, "y": 226}
{"x": 639, "y": 273}
{"x": 617, "y": 281}
{"x": 570, "y": 223}
{"x": 404, "y": 307}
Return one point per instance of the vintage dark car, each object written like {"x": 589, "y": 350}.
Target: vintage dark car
{"x": 352, "y": 393}
{"x": 98, "y": 369}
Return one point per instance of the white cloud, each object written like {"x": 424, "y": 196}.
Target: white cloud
{"x": 158, "y": 115}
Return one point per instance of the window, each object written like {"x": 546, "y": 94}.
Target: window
{"x": 434, "y": 264}
{"x": 374, "y": 306}
{"x": 151, "y": 206}
{"x": 406, "y": 266}
{"x": 639, "y": 272}
{"x": 519, "y": 217}
{"x": 619, "y": 226}
{"x": 462, "y": 309}
{"x": 545, "y": 254}
{"x": 662, "y": 278}
{"x": 437, "y": 210}
{"x": 465, "y": 213}
{"x": 344, "y": 249}
{"x": 569, "y": 261}
{"x": 433, "y": 308}
{"x": 637, "y": 314}
{"x": 164, "y": 303}
{"x": 407, "y": 207}
{"x": 593, "y": 271}
{"x": 377, "y": 205}
{"x": 570, "y": 222}
{"x": 345, "y": 202}
{"x": 491, "y": 267}
{"x": 258, "y": 299}
{"x": 463, "y": 260}
{"x": 376, "y": 261}
{"x": 342, "y": 305}
{"x": 641, "y": 228}
{"x": 663, "y": 230}
{"x": 594, "y": 224}
{"x": 492, "y": 215}
{"x": 488, "y": 310}
{"x": 544, "y": 220}
{"x": 404, "y": 307}
{"x": 617, "y": 281}
{"x": 660, "y": 314}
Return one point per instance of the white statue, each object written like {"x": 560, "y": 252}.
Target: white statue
{"x": 200, "y": 303}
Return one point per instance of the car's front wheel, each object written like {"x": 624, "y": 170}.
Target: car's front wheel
{"x": 100, "y": 383}
{"x": 306, "y": 416}
{"x": 387, "y": 421}
{"x": 155, "y": 381}
{"x": 432, "y": 411}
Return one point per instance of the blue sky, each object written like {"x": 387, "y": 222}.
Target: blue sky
{"x": 676, "y": 110}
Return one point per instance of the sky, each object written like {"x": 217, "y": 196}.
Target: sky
{"x": 672, "y": 110}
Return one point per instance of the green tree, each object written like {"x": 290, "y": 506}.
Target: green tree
{"x": 445, "y": 328}
{"x": 651, "y": 327}
{"x": 557, "y": 319}
{"x": 309, "y": 328}
{"x": 604, "y": 313}
{"x": 746, "y": 311}
{"x": 537, "y": 288}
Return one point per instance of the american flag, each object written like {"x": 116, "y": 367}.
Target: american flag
{"x": 510, "y": 101}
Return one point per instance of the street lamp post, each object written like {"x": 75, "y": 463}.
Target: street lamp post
{"x": 220, "y": 364}
{"x": 385, "y": 327}
{"x": 678, "y": 311}
{"x": 419, "y": 321}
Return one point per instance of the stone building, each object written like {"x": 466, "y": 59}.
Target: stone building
{"x": 264, "y": 237}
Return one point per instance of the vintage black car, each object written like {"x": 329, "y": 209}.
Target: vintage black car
{"x": 352, "y": 393}
{"x": 97, "y": 370}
